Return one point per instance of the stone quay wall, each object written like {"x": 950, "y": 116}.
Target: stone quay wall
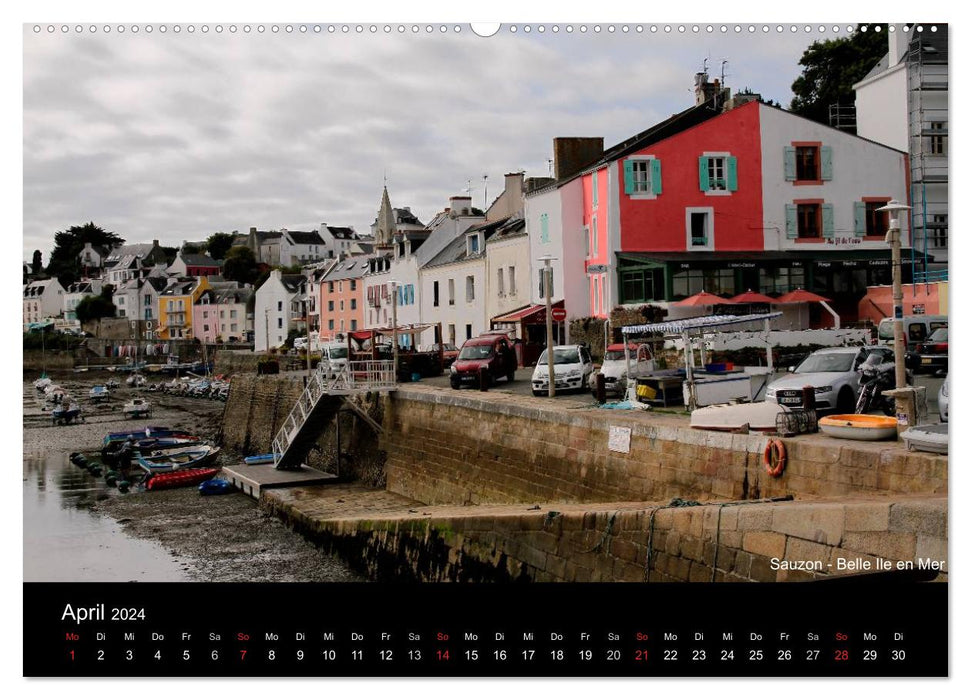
{"x": 456, "y": 448}
{"x": 753, "y": 541}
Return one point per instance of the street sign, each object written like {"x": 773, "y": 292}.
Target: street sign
{"x": 593, "y": 269}
{"x": 558, "y": 314}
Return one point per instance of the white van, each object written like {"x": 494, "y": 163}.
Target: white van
{"x": 916, "y": 329}
{"x": 334, "y": 357}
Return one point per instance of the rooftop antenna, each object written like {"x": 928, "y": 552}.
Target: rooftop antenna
{"x": 468, "y": 187}
{"x": 704, "y": 66}
{"x": 485, "y": 195}
{"x": 724, "y": 63}
{"x": 549, "y": 164}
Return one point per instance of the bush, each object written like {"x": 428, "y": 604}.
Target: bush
{"x": 268, "y": 366}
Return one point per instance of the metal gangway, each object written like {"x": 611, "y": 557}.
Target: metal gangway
{"x": 327, "y": 389}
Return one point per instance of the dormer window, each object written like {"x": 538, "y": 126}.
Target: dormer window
{"x": 474, "y": 244}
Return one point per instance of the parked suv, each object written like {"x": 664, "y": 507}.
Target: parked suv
{"x": 614, "y": 367}
{"x": 832, "y": 373}
{"x": 489, "y": 353}
{"x": 572, "y": 367}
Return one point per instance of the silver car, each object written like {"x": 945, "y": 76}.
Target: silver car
{"x": 832, "y": 374}
{"x": 943, "y": 400}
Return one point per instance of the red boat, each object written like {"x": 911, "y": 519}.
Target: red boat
{"x": 176, "y": 479}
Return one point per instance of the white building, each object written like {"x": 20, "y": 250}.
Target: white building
{"x": 903, "y": 103}
{"x": 75, "y": 293}
{"x": 42, "y": 299}
{"x": 273, "y": 314}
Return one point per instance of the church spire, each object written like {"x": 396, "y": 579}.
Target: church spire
{"x": 384, "y": 236}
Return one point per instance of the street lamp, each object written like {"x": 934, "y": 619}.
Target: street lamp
{"x": 394, "y": 326}
{"x": 547, "y": 261}
{"x": 894, "y": 208}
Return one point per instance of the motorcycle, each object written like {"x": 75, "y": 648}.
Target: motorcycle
{"x": 875, "y": 378}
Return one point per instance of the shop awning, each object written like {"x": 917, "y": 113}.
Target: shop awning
{"x": 524, "y": 313}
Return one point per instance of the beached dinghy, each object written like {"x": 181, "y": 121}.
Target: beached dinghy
{"x": 927, "y": 438}
{"x": 858, "y": 426}
{"x": 176, "y": 479}
{"x": 259, "y": 459}
{"x": 99, "y": 392}
{"x": 729, "y": 417}
{"x": 193, "y": 458}
{"x": 137, "y": 408}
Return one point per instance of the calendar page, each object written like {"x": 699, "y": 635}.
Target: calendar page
{"x": 514, "y": 350}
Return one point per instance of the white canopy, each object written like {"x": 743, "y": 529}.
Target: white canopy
{"x": 698, "y": 322}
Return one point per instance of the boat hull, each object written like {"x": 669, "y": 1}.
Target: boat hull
{"x": 177, "y": 479}
{"x": 854, "y": 426}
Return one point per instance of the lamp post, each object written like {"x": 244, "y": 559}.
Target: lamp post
{"x": 266, "y": 316}
{"x": 547, "y": 261}
{"x": 394, "y": 326}
{"x": 894, "y": 208}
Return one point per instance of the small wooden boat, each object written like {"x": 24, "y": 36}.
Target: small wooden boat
{"x": 147, "y": 432}
{"x": 856, "y": 426}
{"x": 215, "y": 487}
{"x": 193, "y": 458}
{"x": 98, "y": 393}
{"x": 927, "y": 438}
{"x": 135, "y": 380}
{"x": 260, "y": 459}
{"x": 176, "y": 479}
{"x": 137, "y": 408}
{"x": 42, "y": 383}
{"x": 729, "y": 417}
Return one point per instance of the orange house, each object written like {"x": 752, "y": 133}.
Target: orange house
{"x": 175, "y": 304}
{"x": 342, "y": 298}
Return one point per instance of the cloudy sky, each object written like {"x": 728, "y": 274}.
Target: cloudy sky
{"x": 176, "y": 135}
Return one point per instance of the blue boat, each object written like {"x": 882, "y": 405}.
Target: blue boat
{"x": 193, "y": 458}
{"x": 260, "y": 459}
{"x": 215, "y": 487}
{"x": 147, "y": 432}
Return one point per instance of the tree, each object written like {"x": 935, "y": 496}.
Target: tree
{"x": 64, "y": 263}
{"x": 169, "y": 253}
{"x": 218, "y": 244}
{"x": 240, "y": 265}
{"x": 830, "y": 68}
{"x": 92, "y": 307}
{"x": 189, "y": 249}
{"x": 36, "y": 265}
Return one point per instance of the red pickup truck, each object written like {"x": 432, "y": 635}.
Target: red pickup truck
{"x": 489, "y": 353}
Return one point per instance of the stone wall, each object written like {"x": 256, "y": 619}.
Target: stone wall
{"x": 755, "y": 541}
{"x": 235, "y": 361}
{"x": 455, "y": 448}
{"x": 36, "y": 360}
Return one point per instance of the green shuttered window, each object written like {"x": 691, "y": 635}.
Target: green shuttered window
{"x": 828, "y": 229}
{"x": 642, "y": 176}
{"x": 718, "y": 173}
{"x": 792, "y": 223}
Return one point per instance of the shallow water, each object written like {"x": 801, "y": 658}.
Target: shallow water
{"x": 65, "y": 541}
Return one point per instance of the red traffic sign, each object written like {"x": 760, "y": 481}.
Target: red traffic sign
{"x": 558, "y": 314}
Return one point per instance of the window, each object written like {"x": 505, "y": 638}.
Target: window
{"x": 279, "y": 323}
{"x": 938, "y": 142}
{"x": 807, "y": 163}
{"x": 512, "y": 280}
{"x": 699, "y": 228}
{"x": 937, "y": 231}
{"x": 232, "y": 313}
{"x": 330, "y": 325}
{"x": 468, "y": 331}
{"x": 435, "y": 293}
{"x": 353, "y": 324}
{"x": 279, "y": 306}
{"x": 595, "y": 193}
{"x": 642, "y": 177}
{"x": 233, "y": 327}
{"x": 330, "y": 287}
{"x": 342, "y": 304}
{"x": 451, "y": 333}
{"x": 593, "y": 232}
{"x": 148, "y": 300}
{"x": 470, "y": 288}
{"x": 688, "y": 282}
{"x": 586, "y": 241}
{"x": 877, "y": 222}
{"x": 544, "y": 228}
{"x": 205, "y": 328}
{"x": 717, "y": 173}
{"x": 205, "y": 314}
{"x": 641, "y": 285}
{"x": 330, "y": 305}
{"x": 451, "y": 292}
{"x": 353, "y": 285}
{"x": 596, "y": 294}
{"x": 781, "y": 280}
{"x": 340, "y": 287}
{"x": 473, "y": 244}
{"x": 353, "y": 304}
{"x": 807, "y": 220}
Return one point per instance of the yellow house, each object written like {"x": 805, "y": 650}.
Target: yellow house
{"x": 175, "y": 306}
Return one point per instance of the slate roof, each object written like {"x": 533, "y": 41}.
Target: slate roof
{"x": 234, "y": 296}
{"x": 305, "y": 237}
{"x": 351, "y": 268}
{"x": 137, "y": 250}
{"x": 198, "y": 260}
{"x": 293, "y": 282}
{"x": 342, "y": 232}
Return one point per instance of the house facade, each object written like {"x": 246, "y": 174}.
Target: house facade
{"x": 342, "y": 298}
{"x": 42, "y": 299}
{"x": 175, "y": 307}
{"x": 193, "y": 265}
{"x": 133, "y": 261}
{"x": 274, "y": 313}
{"x": 903, "y": 103}
{"x": 76, "y": 292}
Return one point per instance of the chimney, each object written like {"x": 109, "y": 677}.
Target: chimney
{"x": 252, "y": 229}
{"x": 897, "y": 44}
{"x": 459, "y": 205}
{"x": 155, "y": 243}
{"x": 514, "y": 183}
{"x": 573, "y": 153}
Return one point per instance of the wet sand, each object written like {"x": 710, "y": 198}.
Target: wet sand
{"x": 217, "y": 538}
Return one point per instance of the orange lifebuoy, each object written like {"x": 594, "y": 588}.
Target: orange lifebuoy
{"x": 774, "y": 465}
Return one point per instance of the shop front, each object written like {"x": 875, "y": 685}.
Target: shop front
{"x": 527, "y": 328}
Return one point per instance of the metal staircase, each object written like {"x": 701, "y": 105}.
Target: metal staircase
{"x": 323, "y": 396}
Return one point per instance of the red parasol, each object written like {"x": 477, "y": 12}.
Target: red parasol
{"x": 751, "y": 297}
{"x": 702, "y": 298}
{"x": 799, "y": 296}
